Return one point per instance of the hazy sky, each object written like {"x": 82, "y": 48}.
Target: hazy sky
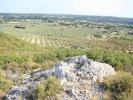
{"x": 121, "y": 8}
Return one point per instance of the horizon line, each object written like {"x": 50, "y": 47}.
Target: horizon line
{"x": 67, "y": 14}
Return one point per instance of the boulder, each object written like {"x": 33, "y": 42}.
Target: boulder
{"x": 78, "y": 75}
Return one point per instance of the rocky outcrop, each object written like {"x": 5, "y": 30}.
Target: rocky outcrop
{"x": 80, "y": 77}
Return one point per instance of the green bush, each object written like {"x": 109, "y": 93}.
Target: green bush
{"x": 96, "y": 54}
{"x": 12, "y": 58}
{"x": 4, "y": 84}
{"x": 120, "y": 86}
{"x": 56, "y": 54}
{"x": 118, "y": 59}
{"x": 47, "y": 88}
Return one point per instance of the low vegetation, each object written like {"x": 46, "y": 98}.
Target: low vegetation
{"x": 120, "y": 86}
{"x": 47, "y": 89}
{"x": 10, "y": 43}
{"x": 120, "y": 60}
{"x": 4, "y": 84}
{"x": 6, "y": 59}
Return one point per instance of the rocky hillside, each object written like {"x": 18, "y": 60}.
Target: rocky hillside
{"x": 79, "y": 76}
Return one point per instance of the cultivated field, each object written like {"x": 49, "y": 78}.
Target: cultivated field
{"x": 47, "y": 34}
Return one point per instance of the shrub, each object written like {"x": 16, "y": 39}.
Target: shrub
{"x": 96, "y": 54}
{"x": 47, "y": 88}
{"x": 57, "y": 54}
{"x": 118, "y": 59}
{"x": 120, "y": 86}
{"x": 48, "y": 63}
{"x": 4, "y": 59}
{"x": 4, "y": 84}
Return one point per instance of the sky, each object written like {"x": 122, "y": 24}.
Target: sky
{"x": 118, "y": 8}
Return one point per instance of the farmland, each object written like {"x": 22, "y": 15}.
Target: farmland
{"x": 68, "y": 35}
{"x": 48, "y": 35}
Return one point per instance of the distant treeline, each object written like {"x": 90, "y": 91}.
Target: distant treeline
{"x": 108, "y": 19}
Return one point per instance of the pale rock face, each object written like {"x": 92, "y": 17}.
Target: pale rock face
{"x": 81, "y": 65}
{"x": 78, "y": 76}
{"x": 101, "y": 70}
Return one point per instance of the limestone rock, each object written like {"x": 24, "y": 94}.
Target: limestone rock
{"x": 78, "y": 75}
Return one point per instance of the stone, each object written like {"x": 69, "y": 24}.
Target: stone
{"x": 79, "y": 76}
{"x": 83, "y": 60}
{"x": 70, "y": 92}
{"x": 13, "y": 93}
{"x": 26, "y": 79}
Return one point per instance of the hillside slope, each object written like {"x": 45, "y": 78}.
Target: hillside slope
{"x": 11, "y": 42}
